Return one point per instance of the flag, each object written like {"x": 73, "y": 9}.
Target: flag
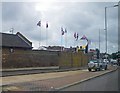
{"x": 62, "y": 31}
{"x": 84, "y": 46}
{"x": 75, "y": 35}
{"x": 46, "y": 25}
{"x": 86, "y": 49}
{"x": 39, "y": 24}
{"x": 84, "y": 38}
{"x": 65, "y": 30}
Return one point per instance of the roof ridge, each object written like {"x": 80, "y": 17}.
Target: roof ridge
{"x": 13, "y": 40}
{"x": 24, "y": 38}
{"x": 7, "y": 33}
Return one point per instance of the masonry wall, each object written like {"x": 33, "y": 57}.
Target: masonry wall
{"x": 15, "y": 50}
{"x": 70, "y": 59}
{"x": 43, "y": 59}
{"x": 29, "y": 59}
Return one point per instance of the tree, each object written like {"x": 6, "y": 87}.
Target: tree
{"x": 114, "y": 55}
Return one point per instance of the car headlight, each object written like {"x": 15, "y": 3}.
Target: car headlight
{"x": 96, "y": 65}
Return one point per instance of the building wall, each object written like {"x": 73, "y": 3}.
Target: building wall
{"x": 0, "y": 59}
{"x": 70, "y": 59}
{"x": 27, "y": 58}
{"x": 15, "y": 50}
{"x": 23, "y": 58}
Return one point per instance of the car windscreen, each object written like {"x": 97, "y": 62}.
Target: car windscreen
{"x": 94, "y": 61}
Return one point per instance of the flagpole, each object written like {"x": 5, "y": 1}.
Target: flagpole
{"x": 77, "y": 42}
{"x": 66, "y": 39}
{"x": 40, "y": 39}
{"x": 61, "y": 42}
{"x": 46, "y": 33}
{"x": 77, "y": 39}
{"x": 39, "y": 24}
{"x": 74, "y": 42}
{"x": 46, "y": 36}
{"x": 99, "y": 39}
{"x": 62, "y": 33}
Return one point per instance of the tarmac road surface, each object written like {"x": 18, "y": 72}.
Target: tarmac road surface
{"x": 55, "y": 81}
{"x": 107, "y": 82}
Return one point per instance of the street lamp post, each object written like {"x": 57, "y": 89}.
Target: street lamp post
{"x": 99, "y": 39}
{"x": 119, "y": 26}
{"x": 106, "y": 24}
{"x": 106, "y": 28}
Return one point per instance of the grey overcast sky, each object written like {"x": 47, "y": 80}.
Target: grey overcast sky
{"x": 86, "y": 18}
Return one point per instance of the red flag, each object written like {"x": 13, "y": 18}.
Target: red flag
{"x": 46, "y": 25}
{"x": 39, "y": 24}
{"x": 84, "y": 38}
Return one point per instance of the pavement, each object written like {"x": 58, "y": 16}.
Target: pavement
{"x": 49, "y": 81}
{"x": 33, "y": 70}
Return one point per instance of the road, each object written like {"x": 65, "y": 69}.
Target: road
{"x": 107, "y": 82}
{"x": 50, "y": 81}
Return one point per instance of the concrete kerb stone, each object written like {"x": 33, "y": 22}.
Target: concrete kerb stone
{"x": 37, "y": 68}
{"x": 75, "y": 83}
{"x": 33, "y": 68}
{"x": 63, "y": 70}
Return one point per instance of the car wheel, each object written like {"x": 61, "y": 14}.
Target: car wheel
{"x": 89, "y": 69}
{"x": 105, "y": 67}
{"x": 96, "y": 69}
{"x": 99, "y": 69}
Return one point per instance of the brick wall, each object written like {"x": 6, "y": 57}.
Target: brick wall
{"x": 29, "y": 59}
{"x": 43, "y": 59}
{"x": 69, "y": 59}
{"x": 15, "y": 50}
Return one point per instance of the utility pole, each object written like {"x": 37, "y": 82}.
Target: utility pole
{"x": 106, "y": 29}
{"x": 99, "y": 39}
{"x": 119, "y": 26}
{"x": 106, "y": 23}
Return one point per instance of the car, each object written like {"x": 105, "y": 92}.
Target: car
{"x": 114, "y": 62}
{"x": 97, "y": 65}
{"x": 106, "y": 61}
{"x": 118, "y": 60}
